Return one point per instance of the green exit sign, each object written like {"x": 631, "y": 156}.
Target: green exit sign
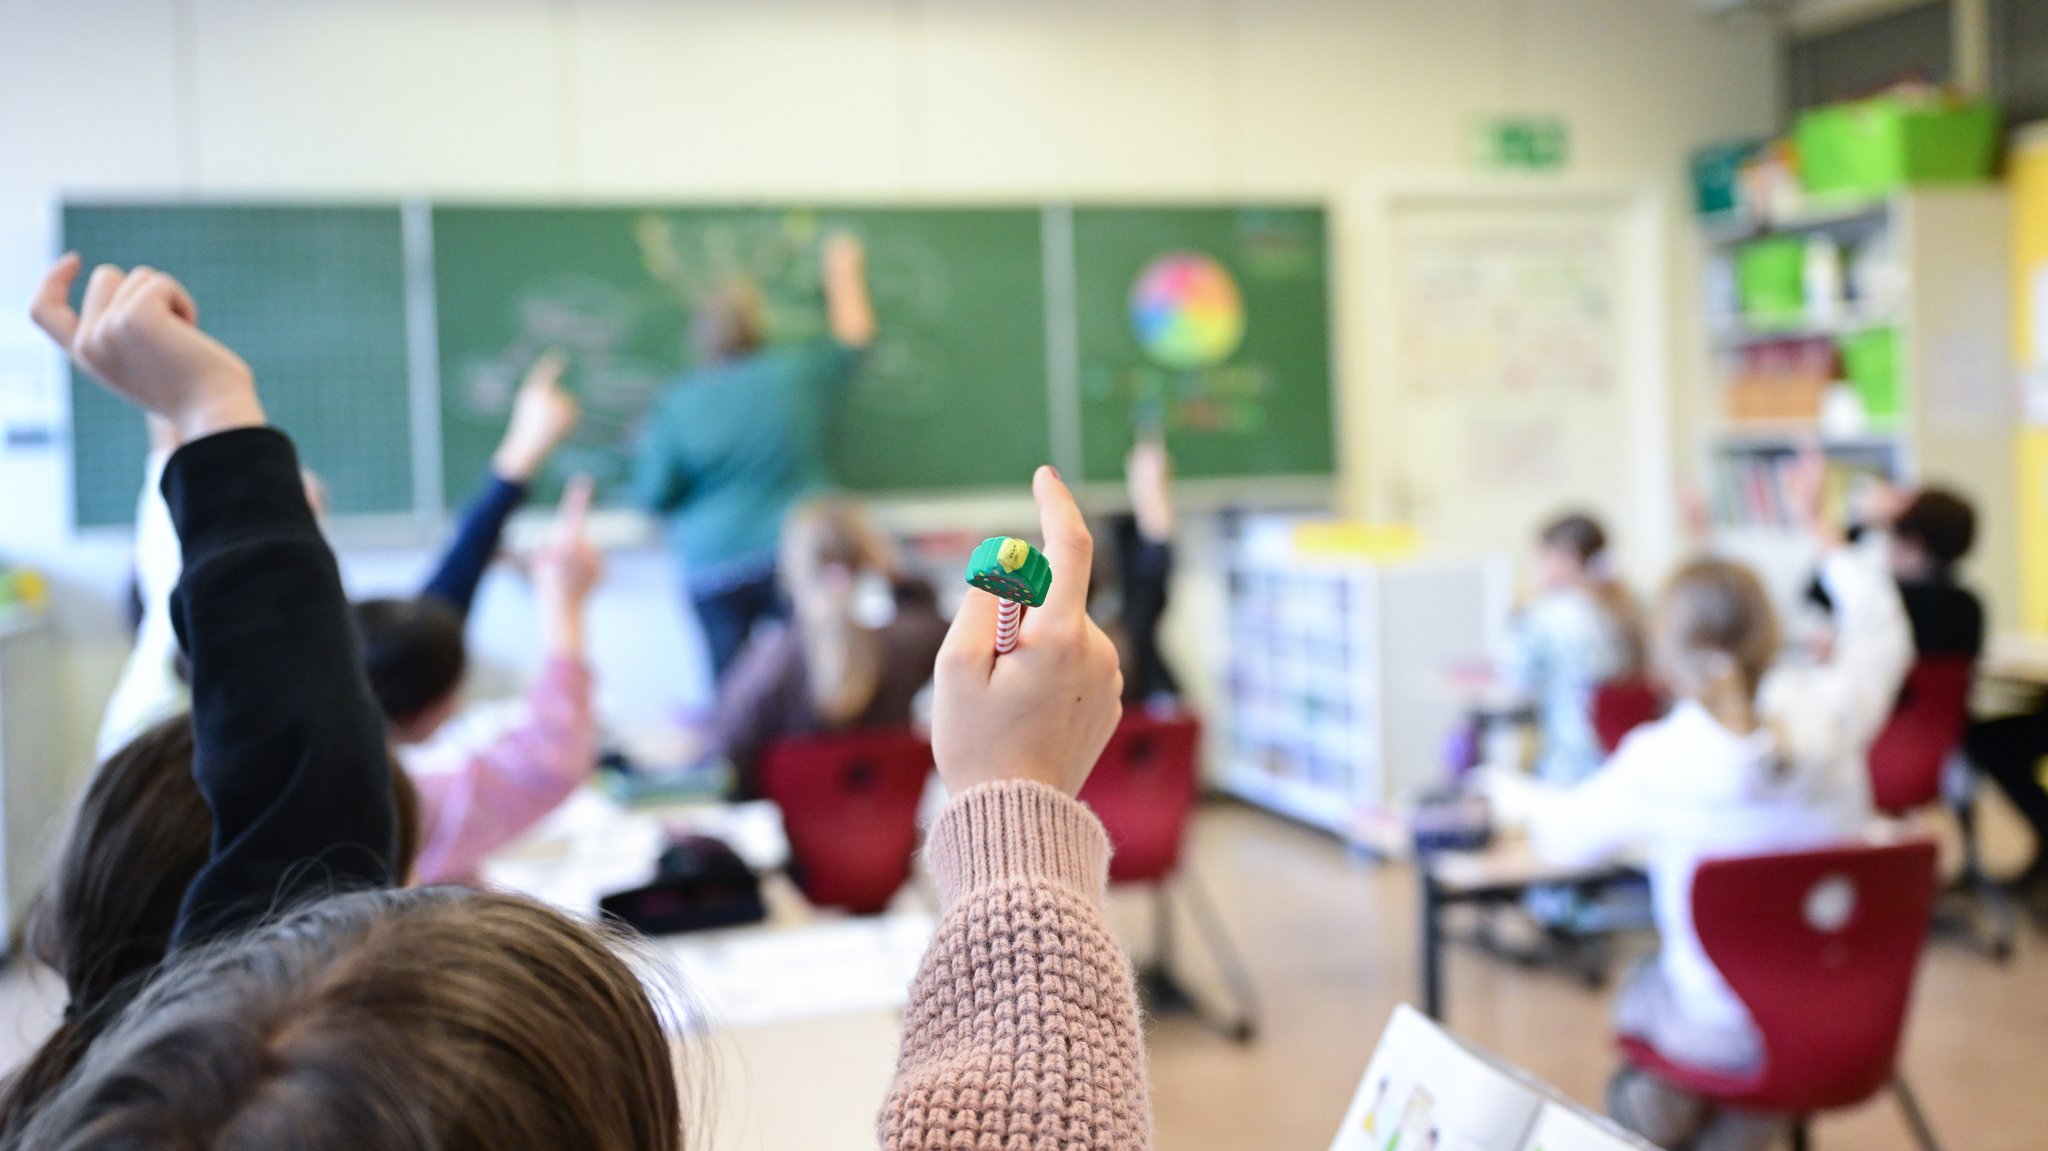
{"x": 1531, "y": 143}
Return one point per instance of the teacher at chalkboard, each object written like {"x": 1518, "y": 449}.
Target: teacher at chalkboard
{"x": 738, "y": 440}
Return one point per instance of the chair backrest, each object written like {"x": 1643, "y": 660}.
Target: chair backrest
{"x": 849, "y": 806}
{"x": 1622, "y": 705}
{"x": 1913, "y": 748}
{"x": 1143, "y": 789}
{"x": 1821, "y": 947}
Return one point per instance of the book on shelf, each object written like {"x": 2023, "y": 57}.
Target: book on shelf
{"x": 1752, "y": 489}
{"x": 1424, "y": 1090}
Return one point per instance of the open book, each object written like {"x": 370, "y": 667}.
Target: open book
{"x": 1425, "y": 1091}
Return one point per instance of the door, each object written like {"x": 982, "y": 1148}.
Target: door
{"x": 1517, "y": 373}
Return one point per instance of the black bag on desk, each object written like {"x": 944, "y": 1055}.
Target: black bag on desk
{"x": 700, "y": 883}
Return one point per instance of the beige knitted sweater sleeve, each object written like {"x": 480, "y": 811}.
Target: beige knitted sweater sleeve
{"x": 1022, "y": 1032}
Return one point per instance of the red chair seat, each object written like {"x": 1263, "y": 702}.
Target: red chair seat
{"x": 1912, "y": 750}
{"x": 1622, "y": 705}
{"x": 1829, "y": 999}
{"x": 849, "y": 806}
{"x": 1143, "y": 790}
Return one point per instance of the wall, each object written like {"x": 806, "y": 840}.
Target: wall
{"x": 913, "y": 98}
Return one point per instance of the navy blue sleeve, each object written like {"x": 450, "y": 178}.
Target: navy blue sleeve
{"x": 289, "y": 748}
{"x": 476, "y": 542}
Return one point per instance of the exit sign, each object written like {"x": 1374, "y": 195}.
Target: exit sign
{"x": 1531, "y": 143}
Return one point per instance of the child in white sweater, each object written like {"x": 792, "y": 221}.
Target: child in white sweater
{"x": 1752, "y": 759}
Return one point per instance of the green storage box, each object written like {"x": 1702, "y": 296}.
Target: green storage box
{"x": 1870, "y": 362}
{"x": 1717, "y": 176}
{"x": 1872, "y": 147}
{"x": 1770, "y": 275}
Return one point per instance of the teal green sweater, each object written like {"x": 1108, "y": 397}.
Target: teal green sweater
{"x": 729, "y": 449}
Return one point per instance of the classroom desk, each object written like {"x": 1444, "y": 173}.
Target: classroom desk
{"x": 1501, "y": 873}
{"x": 2016, "y": 658}
{"x": 788, "y": 1028}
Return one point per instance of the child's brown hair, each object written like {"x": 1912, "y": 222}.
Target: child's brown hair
{"x": 1716, "y": 636}
{"x": 103, "y": 921}
{"x": 1581, "y": 536}
{"x": 425, "y": 1019}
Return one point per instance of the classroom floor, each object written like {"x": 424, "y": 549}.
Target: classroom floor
{"x": 1330, "y": 941}
{"x": 1332, "y": 946}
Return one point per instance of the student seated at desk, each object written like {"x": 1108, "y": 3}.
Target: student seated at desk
{"x": 476, "y": 795}
{"x": 1752, "y": 759}
{"x": 479, "y": 791}
{"x": 1926, "y": 534}
{"x": 308, "y": 1001}
{"x": 1581, "y": 630}
{"x": 827, "y": 669}
{"x": 1144, "y": 561}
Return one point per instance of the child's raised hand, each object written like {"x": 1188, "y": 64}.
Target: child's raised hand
{"x": 543, "y": 415}
{"x": 567, "y": 567}
{"x": 138, "y": 333}
{"x": 1044, "y": 711}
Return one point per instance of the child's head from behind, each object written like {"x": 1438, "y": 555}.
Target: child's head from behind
{"x": 1569, "y": 551}
{"x": 430, "y": 1018}
{"x": 1714, "y": 638}
{"x": 728, "y": 322}
{"x": 827, "y": 544}
{"x": 1931, "y": 534}
{"x": 415, "y": 654}
{"x": 140, "y": 835}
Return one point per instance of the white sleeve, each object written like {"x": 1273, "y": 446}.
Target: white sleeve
{"x": 1603, "y": 815}
{"x": 148, "y": 689}
{"x": 1873, "y": 649}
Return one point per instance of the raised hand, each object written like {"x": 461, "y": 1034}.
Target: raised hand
{"x": 567, "y": 567}
{"x": 1044, "y": 711}
{"x": 137, "y": 332}
{"x": 543, "y": 415}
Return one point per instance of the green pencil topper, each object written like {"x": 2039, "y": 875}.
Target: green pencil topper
{"x": 1017, "y": 574}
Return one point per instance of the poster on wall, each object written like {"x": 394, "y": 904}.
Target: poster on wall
{"x": 1514, "y": 313}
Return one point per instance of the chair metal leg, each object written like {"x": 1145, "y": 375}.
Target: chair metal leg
{"x": 1802, "y": 1138}
{"x": 1990, "y": 924}
{"x": 1915, "y": 1118}
{"x": 1246, "y": 1027}
{"x": 1160, "y": 988}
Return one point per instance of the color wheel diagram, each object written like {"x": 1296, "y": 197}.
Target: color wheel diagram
{"x": 1186, "y": 311}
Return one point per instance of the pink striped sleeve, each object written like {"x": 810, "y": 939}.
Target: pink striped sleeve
{"x": 504, "y": 787}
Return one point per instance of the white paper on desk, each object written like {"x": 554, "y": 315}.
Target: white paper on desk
{"x": 1560, "y": 1128}
{"x": 747, "y": 977}
{"x": 589, "y": 848}
{"x": 1424, "y": 1091}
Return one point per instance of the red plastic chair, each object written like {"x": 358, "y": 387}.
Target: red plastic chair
{"x": 1910, "y": 763}
{"x": 1144, "y": 789}
{"x": 1911, "y": 753}
{"x": 1821, "y": 947}
{"x": 849, "y": 806}
{"x": 1622, "y": 705}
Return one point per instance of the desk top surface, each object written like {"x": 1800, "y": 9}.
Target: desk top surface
{"x": 1509, "y": 862}
{"x": 2017, "y": 657}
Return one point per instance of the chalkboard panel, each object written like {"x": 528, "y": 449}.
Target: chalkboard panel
{"x": 312, "y": 297}
{"x": 1211, "y": 324}
{"x": 953, "y": 394}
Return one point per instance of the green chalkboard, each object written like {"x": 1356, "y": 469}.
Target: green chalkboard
{"x": 952, "y": 395}
{"x": 1211, "y": 324}
{"x": 312, "y": 297}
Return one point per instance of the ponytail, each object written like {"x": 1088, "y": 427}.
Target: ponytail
{"x": 1716, "y": 636}
{"x": 827, "y": 544}
{"x": 1726, "y": 693}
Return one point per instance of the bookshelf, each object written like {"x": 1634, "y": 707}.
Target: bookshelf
{"x": 1921, "y": 281}
{"x": 1336, "y": 673}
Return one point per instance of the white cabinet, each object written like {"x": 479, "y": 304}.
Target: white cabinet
{"x": 1335, "y": 695}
